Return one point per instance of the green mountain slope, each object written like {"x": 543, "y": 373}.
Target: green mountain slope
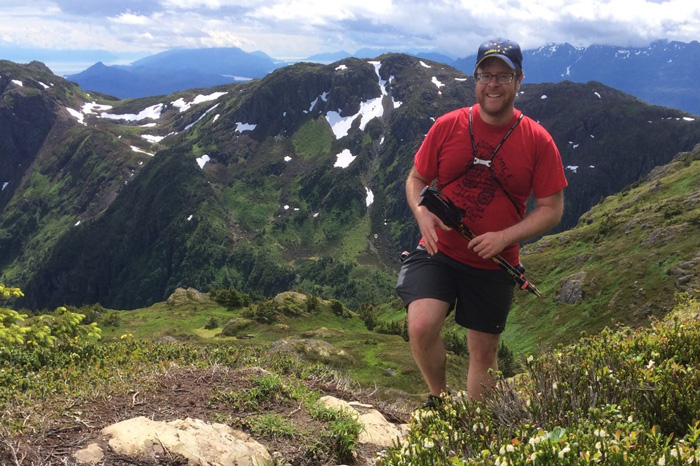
{"x": 622, "y": 264}
{"x": 294, "y": 181}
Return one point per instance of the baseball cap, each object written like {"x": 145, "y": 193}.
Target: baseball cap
{"x": 505, "y": 49}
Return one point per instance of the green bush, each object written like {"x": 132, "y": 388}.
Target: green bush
{"x": 626, "y": 397}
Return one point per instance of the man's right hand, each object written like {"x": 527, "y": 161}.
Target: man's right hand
{"x": 427, "y": 222}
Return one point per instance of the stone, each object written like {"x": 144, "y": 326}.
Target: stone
{"x": 194, "y": 439}
{"x": 571, "y": 291}
{"x": 376, "y": 430}
{"x": 92, "y": 454}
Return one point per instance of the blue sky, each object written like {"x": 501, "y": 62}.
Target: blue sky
{"x": 70, "y": 35}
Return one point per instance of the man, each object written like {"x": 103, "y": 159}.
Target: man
{"x": 488, "y": 159}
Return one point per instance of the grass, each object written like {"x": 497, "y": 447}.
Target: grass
{"x": 373, "y": 359}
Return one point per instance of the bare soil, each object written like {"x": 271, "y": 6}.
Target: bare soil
{"x": 177, "y": 395}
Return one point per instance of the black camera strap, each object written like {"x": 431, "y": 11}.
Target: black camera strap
{"x": 488, "y": 162}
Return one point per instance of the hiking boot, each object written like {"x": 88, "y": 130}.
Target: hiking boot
{"x": 433, "y": 402}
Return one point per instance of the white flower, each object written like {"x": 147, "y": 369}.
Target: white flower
{"x": 662, "y": 461}
{"x": 564, "y": 451}
{"x": 510, "y": 448}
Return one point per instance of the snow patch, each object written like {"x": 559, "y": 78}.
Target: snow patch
{"x": 240, "y": 127}
{"x": 137, "y": 149}
{"x": 344, "y": 159}
{"x": 437, "y": 82}
{"x": 152, "y": 112}
{"x": 184, "y": 106}
{"x": 370, "y": 197}
{"x": 573, "y": 168}
{"x": 203, "y": 115}
{"x": 152, "y": 138}
{"x": 424, "y": 64}
{"x": 77, "y": 115}
{"x": 201, "y": 161}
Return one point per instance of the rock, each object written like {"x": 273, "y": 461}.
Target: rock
{"x": 93, "y": 454}
{"x": 290, "y": 296}
{"x": 571, "y": 291}
{"x": 234, "y": 326}
{"x": 196, "y": 440}
{"x": 321, "y": 332}
{"x": 376, "y": 430}
{"x": 316, "y": 350}
{"x": 187, "y": 296}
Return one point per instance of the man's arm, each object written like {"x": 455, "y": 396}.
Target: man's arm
{"x": 544, "y": 216}
{"x": 427, "y": 221}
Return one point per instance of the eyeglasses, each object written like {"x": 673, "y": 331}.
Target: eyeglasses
{"x": 501, "y": 78}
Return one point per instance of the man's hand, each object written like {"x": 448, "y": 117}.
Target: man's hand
{"x": 489, "y": 244}
{"x": 427, "y": 222}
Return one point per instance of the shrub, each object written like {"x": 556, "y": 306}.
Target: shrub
{"x": 626, "y": 397}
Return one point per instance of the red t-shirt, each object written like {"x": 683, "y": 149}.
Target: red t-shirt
{"x": 527, "y": 163}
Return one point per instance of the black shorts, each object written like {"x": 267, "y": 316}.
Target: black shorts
{"x": 483, "y": 297}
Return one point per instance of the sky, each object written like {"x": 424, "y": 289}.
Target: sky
{"x": 71, "y": 35}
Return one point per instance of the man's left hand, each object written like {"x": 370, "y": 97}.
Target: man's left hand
{"x": 489, "y": 244}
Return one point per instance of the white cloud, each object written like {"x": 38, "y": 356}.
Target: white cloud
{"x": 299, "y": 28}
{"x": 130, "y": 19}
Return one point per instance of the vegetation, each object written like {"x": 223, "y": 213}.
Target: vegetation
{"x": 625, "y": 397}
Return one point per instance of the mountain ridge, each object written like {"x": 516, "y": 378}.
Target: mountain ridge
{"x": 668, "y": 68}
{"x": 267, "y": 204}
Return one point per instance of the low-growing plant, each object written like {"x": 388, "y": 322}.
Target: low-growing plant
{"x": 342, "y": 433}
{"x": 272, "y": 425}
{"x": 625, "y": 397}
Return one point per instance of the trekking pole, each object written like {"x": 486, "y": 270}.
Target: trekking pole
{"x": 451, "y": 215}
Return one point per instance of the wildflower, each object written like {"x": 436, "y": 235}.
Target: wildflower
{"x": 510, "y": 448}
{"x": 554, "y": 386}
{"x": 564, "y": 451}
{"x": 530, "y": 358}
{"x": 662, "y": 461}
{"x": 650, "y": 364}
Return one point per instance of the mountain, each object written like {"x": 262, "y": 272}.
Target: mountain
{"x": 175, "y": 70}
{"x": 292, "y": 181}
{"x": 330, "y": 57}
{"x": 662, "y": 74}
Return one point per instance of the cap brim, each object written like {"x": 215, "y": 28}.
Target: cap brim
{"x": 508, "y": 61}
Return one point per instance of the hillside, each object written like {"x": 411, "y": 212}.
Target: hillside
{"x": 622, "y": 264}
{"x": 294, "y": 181}
{"x": 626, "y": 394}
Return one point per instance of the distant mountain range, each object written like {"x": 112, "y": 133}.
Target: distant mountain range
{"x": 175, "y": 70}
{"x": 662, "y": 74}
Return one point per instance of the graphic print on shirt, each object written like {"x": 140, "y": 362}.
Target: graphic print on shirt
{"x": 476, "y": 189}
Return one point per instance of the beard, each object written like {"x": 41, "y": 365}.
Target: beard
{"x": 501, "y": 110}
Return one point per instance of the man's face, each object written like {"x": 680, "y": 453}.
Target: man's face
{"x": 496, "y": 100}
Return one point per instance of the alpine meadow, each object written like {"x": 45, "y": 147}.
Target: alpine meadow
{"x": 229, "y": 254}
